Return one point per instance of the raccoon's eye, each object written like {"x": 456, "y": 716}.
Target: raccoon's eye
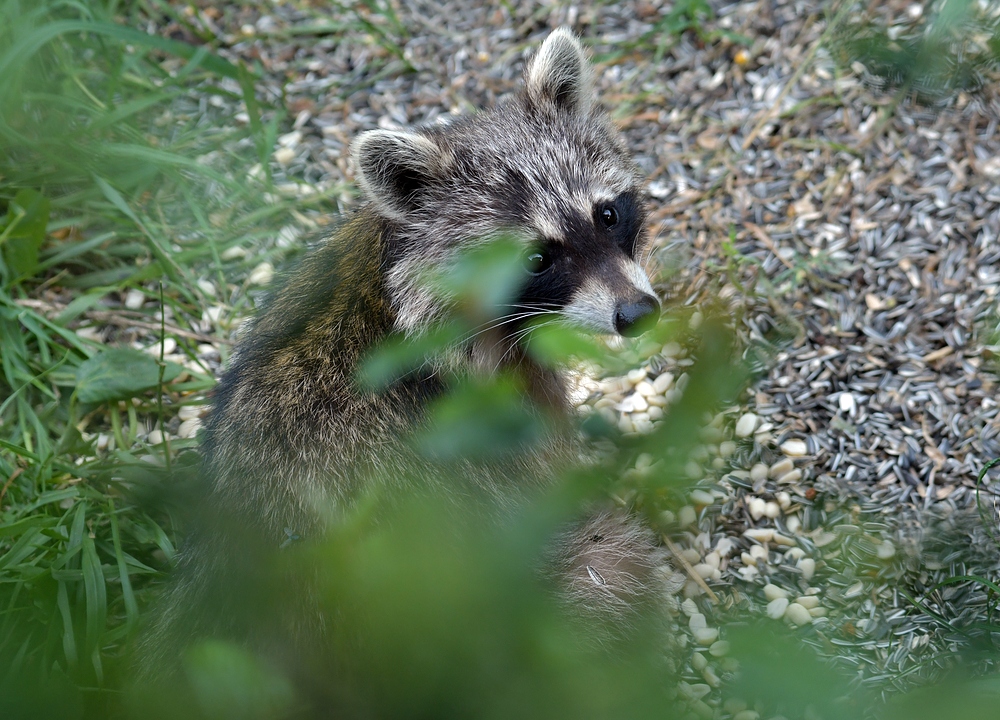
{"x": 609, "y": 216}
{"x": 537, "y": 262}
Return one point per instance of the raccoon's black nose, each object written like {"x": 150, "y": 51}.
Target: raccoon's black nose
{"x": 634, "y": 318}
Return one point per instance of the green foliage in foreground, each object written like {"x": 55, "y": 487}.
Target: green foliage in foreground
{"x": 108, "y": 184}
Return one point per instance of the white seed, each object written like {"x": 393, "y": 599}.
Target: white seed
{"x": 808, "y": 601}
{"x": 817, "y": 612}
{"x": 793, "y": 524}
{"x": 670, "y": 349}
{"x": 694, "y": 322}
{"x": 155, "y": 437}
{"x": 636, "y": 375}
{"x": 795, "y": 553}
{"x": 705, "y": 636}
{"x": 134, "y": 299}
{"x": 746, "y": 425}
{"x": 789, "y": 478}
{"x": 284, "y": 155}
{"x": 90, "y": 333}
{"x": 625, "y": 424}
{"x": 693, "y": 691}
{"x": 773, "y": 592}
{"x": 710, "y": 677}
{"x": 807, "y": 566}
{"x": 645, "y": 389}
{"x": 643, "y": 425}
{"x": 686, "y": 516}
{"x": 701, "y": 497}
{"x": 756, "y": 507}
{"x": 724, "y": 546}
{"x": 727, "y": 448}
{"x": 689, "y": 607}
{"x": 784, "y": 499}
{"x": 186, "y": 412}
{"x": 657, "y": 401}
{"x": 262, "y": 274}
{"x": 704, "y": 570}
{"x": 207, "y": 287}
{"x": 663, "y": 382}
{"x": 168, "y": 347}
{"x": 698, "y": 661}
{"x": 719, "y": 648}
{"x": 654, "y": 412}
{"x": 189, "y": 428}
{"x": 734, "y": 705}
{"x": 794, "y": 448}
{"x": 103, "y": 439}
{"x": 667, "y": 518}
{"x": 746, "y": 715}
{"x": 749, "y": 573}
{"x": 233, "y": 253}
{"x": 823, "y": 538}
{"x": 776, "y": 608}
{"x": 613, "y": 386}
{"x": 758, "y": 473}
{"x": 704, "y": 711}
{"x": 711, "y": 434}
{"x": 694, "y": 471}
{"x": 798, "y": 614}
{"x": 748, "y": 559}
{"x": 713, "y": 559}
{"x": 759, "y": 552}
{"x": 697, "y": 621}
{"x": 784, "y": 540}
{"x": 782, "y": 467}
{"x": 762, "y": 535}
{"x": 672, "y": 396}
{"x": 886, "y": 551}
{"x": 290, "y": 139}
{"x": 772, "y": 510}
{"x": 847, "y": 403}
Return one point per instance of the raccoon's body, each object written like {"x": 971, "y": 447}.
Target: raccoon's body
{"x": 292, "y": 434}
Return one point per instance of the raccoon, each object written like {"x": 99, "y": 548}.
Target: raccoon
{"x": 291, "y": 432}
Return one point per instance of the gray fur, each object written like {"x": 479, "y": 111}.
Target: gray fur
{"x": 292, "y": 439}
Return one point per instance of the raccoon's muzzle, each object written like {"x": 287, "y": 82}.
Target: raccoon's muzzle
{"x": 634, "y": 317}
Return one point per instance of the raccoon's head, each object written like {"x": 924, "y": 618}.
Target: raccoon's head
{"x": 545, "y": 165}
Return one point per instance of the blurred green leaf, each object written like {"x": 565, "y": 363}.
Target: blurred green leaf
{"x": 484, "y": 279}
{"x": 120, "y": 374}
{"x": 478, "y": 420}
{"x": 400, "y": 355}
{"x": 955, "y": 697}
{"x": 229, "y": 683}
{"x": 22, "y": 231}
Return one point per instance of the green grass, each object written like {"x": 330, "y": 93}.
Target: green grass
{"x": 106, "y": 186}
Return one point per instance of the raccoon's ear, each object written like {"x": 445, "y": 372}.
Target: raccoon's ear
{"x": 559, "y": 73}
{"x": 394, "y": 168}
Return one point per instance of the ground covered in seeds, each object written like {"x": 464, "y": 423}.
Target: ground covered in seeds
{"x": 852, "y": 235}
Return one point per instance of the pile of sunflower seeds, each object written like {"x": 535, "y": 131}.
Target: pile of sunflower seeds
{"x": 851, "y": 235}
